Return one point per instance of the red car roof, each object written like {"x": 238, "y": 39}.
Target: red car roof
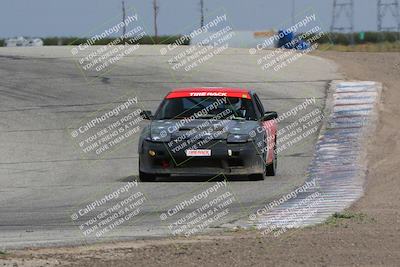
{"x": 209, "y": 91}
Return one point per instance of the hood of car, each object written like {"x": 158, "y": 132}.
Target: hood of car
{"x": 166, "y": 130}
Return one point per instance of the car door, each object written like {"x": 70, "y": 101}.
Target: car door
{"x": 270, "y": 128}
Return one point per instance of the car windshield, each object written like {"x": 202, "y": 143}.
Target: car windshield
{"x": 206, "y": 108}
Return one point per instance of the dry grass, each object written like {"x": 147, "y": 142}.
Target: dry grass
{"x": 369, "y": 47}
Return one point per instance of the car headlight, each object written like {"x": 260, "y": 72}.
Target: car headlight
{"x": 238, "y": 138}
{"x": 158, "y": 137}
{"x": 149, "y": 138}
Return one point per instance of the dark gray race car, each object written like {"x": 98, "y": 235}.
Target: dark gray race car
{"x": 209, "y": 131}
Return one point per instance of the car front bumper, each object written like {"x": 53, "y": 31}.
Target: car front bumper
{"x": 244, "y": 159}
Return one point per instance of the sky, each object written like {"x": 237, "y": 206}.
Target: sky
{"x": 44, "y": 18}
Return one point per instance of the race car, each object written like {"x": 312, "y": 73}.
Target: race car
{"x": 209, "y": 131}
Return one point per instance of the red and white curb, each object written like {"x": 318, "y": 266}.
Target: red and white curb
{"x": 337, "y": 172}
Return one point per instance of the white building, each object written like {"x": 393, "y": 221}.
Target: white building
{"x": 21, "y": 41}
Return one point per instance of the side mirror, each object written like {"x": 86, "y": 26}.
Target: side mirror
{"x": 146, "y": 114}
{"x": 270, "y": 115}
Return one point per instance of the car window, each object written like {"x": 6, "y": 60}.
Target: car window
{"x": 259, "y": 104}
{"x": 178, "y": 108}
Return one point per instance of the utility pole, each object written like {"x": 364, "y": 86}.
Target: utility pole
{"x": 201, "y": 13}
{"x": 383, "y": 7}
{"x": 293, "y": 12}
{"x": 155, "y": 8}
{"x": 123, "y": 20}
{"x": 346, "y": 8}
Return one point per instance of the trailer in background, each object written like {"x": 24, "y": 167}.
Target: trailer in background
{"x": 21, "y": 41}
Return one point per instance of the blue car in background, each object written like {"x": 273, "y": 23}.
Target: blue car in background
{"x": 290, "y": 41}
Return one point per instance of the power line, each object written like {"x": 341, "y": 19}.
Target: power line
{"x": 123, "y": 19}
{"x": 155, "y": 9}
{"x": 293, "y": 12}
{"x": 385, "y": 9}
{"x": 343, "y": 8}
{"x": 201, "y": 13}
{"x": 340, "y": 8}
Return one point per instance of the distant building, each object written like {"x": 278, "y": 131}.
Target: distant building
{"x": 21, "y": 41}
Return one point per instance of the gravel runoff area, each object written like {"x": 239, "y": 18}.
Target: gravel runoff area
{"x": 366, "y": 235}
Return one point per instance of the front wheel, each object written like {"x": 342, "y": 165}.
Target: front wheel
{"x": 270, "y": 169}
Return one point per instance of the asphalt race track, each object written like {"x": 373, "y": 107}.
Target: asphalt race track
{"x": 43, "y": 176}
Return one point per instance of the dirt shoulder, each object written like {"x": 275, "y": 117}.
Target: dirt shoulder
{"x": 369, "y": 237}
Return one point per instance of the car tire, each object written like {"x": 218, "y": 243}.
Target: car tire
{"x": 146, "y": 177}
{"x": 258, "y": 176}
{"x": 270, "y": 169}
